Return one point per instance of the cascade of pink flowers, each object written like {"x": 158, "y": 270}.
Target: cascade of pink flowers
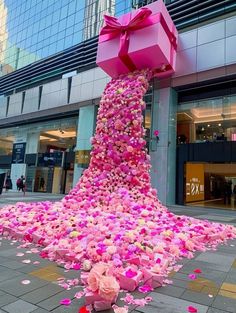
{"x": 111, "y": 224}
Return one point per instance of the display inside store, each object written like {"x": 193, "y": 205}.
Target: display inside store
{"x": 111, "y": 225}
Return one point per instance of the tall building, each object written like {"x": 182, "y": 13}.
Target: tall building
{"x": 93, "y": 16}
{"x": 3, "y": 32}
{"x": 48, "y": 99}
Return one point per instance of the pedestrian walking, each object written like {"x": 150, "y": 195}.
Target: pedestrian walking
{"x": 22, "y": 184}
{"x": 8, "y": 183}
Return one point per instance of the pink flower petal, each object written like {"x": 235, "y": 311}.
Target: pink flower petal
{"x": 65, "y": 301}
{"x": 79, "y": 294}
{"x": 145, "y": 288}
{"x": 192, "y": 276}
{"x": 192, "y": 309}
{"x": 197, "y": 270}
{"x": 20, "y": 254}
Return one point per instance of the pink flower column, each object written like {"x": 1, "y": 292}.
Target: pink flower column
{"x": 119, "y": 161}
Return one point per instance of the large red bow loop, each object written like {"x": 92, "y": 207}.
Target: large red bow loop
{"x": 114, "y": 28}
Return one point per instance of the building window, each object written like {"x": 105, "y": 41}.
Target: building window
{"x": 207, "y": 120}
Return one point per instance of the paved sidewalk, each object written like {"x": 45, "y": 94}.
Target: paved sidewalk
{"x": 214, "y": 290}
{"x": 12, "y": 197}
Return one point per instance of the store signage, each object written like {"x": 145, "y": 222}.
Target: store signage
{"x": 82, "y": 157}
{"x": 18, "y": 153}
{"x": 194, "y": 182}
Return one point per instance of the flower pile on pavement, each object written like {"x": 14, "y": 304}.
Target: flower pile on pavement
{"x": 111, "y": 225}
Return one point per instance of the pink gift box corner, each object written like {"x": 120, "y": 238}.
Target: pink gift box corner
{"x": 152, "y": 45}
{"x": 128, "y": 283}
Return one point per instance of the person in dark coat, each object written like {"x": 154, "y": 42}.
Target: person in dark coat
{"x": 8, "y": 183}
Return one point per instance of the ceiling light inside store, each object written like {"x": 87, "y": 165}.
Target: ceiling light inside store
{"x": 61, "y": 133}
{"x": 219, "y": 124}
{"x": 208, "y": 125}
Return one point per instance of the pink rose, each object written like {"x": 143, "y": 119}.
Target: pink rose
{"x": 93, "y": 281}
{"x": 108, "y": 287}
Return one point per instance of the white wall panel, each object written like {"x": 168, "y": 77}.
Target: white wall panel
{"x": 3, "y": 106}
{"x": 87, "y": 76}
{"x": 15, "y": 104}
{"x": 76, "y": 80}
{"x": 211, "y": 32}
{"x": 31, "y": 100}
{"x": 187, "y": 40}
{"x": 98, "y": 87}
{"x": 186, "y": 62}
{"x": 231, "y": 50}
{"x": 211, "y": 55}
{"x": 86, "y": 91}
{"x": 75, "y": 94}
{"x": 231, "y": 26}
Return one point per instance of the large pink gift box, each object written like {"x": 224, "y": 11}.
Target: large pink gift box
{"x": 144, "y": 38}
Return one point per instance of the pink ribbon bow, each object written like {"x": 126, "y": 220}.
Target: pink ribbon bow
{"x": 114, "y": 28}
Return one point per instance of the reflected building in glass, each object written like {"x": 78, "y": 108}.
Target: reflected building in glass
{"x": 3, "y": 32}
{"x": 93, "y": 16}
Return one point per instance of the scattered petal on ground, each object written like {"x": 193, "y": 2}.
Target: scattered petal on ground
{"x": 197, "y": 270}
{"x": 192, "y": 276}
{"x": 65, "y": 301}
{"x": 20, "y": 254}
{"x": 26, "y": 282}
{"x": 26, "y": 261}
{"x": 112, "y": 222}
{"x": 145, "y": 288}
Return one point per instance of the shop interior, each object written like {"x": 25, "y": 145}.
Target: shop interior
{"x": 50, "y": 175}
{"x": 207, "y": 120}
{"x": 217, "y": 187}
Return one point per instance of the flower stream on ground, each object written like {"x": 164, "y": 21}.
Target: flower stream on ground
{"x": 111, "y": 225}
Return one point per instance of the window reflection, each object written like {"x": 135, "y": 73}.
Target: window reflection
{"x": 207, "y": 121}
{"x": 34, "y": 29}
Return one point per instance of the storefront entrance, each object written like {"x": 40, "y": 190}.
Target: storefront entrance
{"x": 210, "y": 185}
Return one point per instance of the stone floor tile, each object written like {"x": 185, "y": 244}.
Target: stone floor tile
{"x": 216, "y": 258}
{"x": 42, "y": 293}
{"x": 19, "y": 306}
{"x": 73, "y": 308}
{"x": 54, "y": 301}
{"x": 8, "y": 252}
{"x": 227, "y": 294}
{"x": 6, "y": 299}
{"x": 197, "y": 297}
{"x": 214, "y": 310}
{"x": 171, "y": 291}
{"x": 231, "y": 277}
{"x": 14, "y": 265}
{"x": 225, "y": 304}
{"x": 14, "y": 286}
{"x": 167, "y": 304}
{"x": 229, "y": 287}
{"x": 7, "y": 274}
{"x": 40, "y": 311}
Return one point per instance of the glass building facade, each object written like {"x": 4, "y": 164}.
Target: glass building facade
{"x": 34, "y": 29}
